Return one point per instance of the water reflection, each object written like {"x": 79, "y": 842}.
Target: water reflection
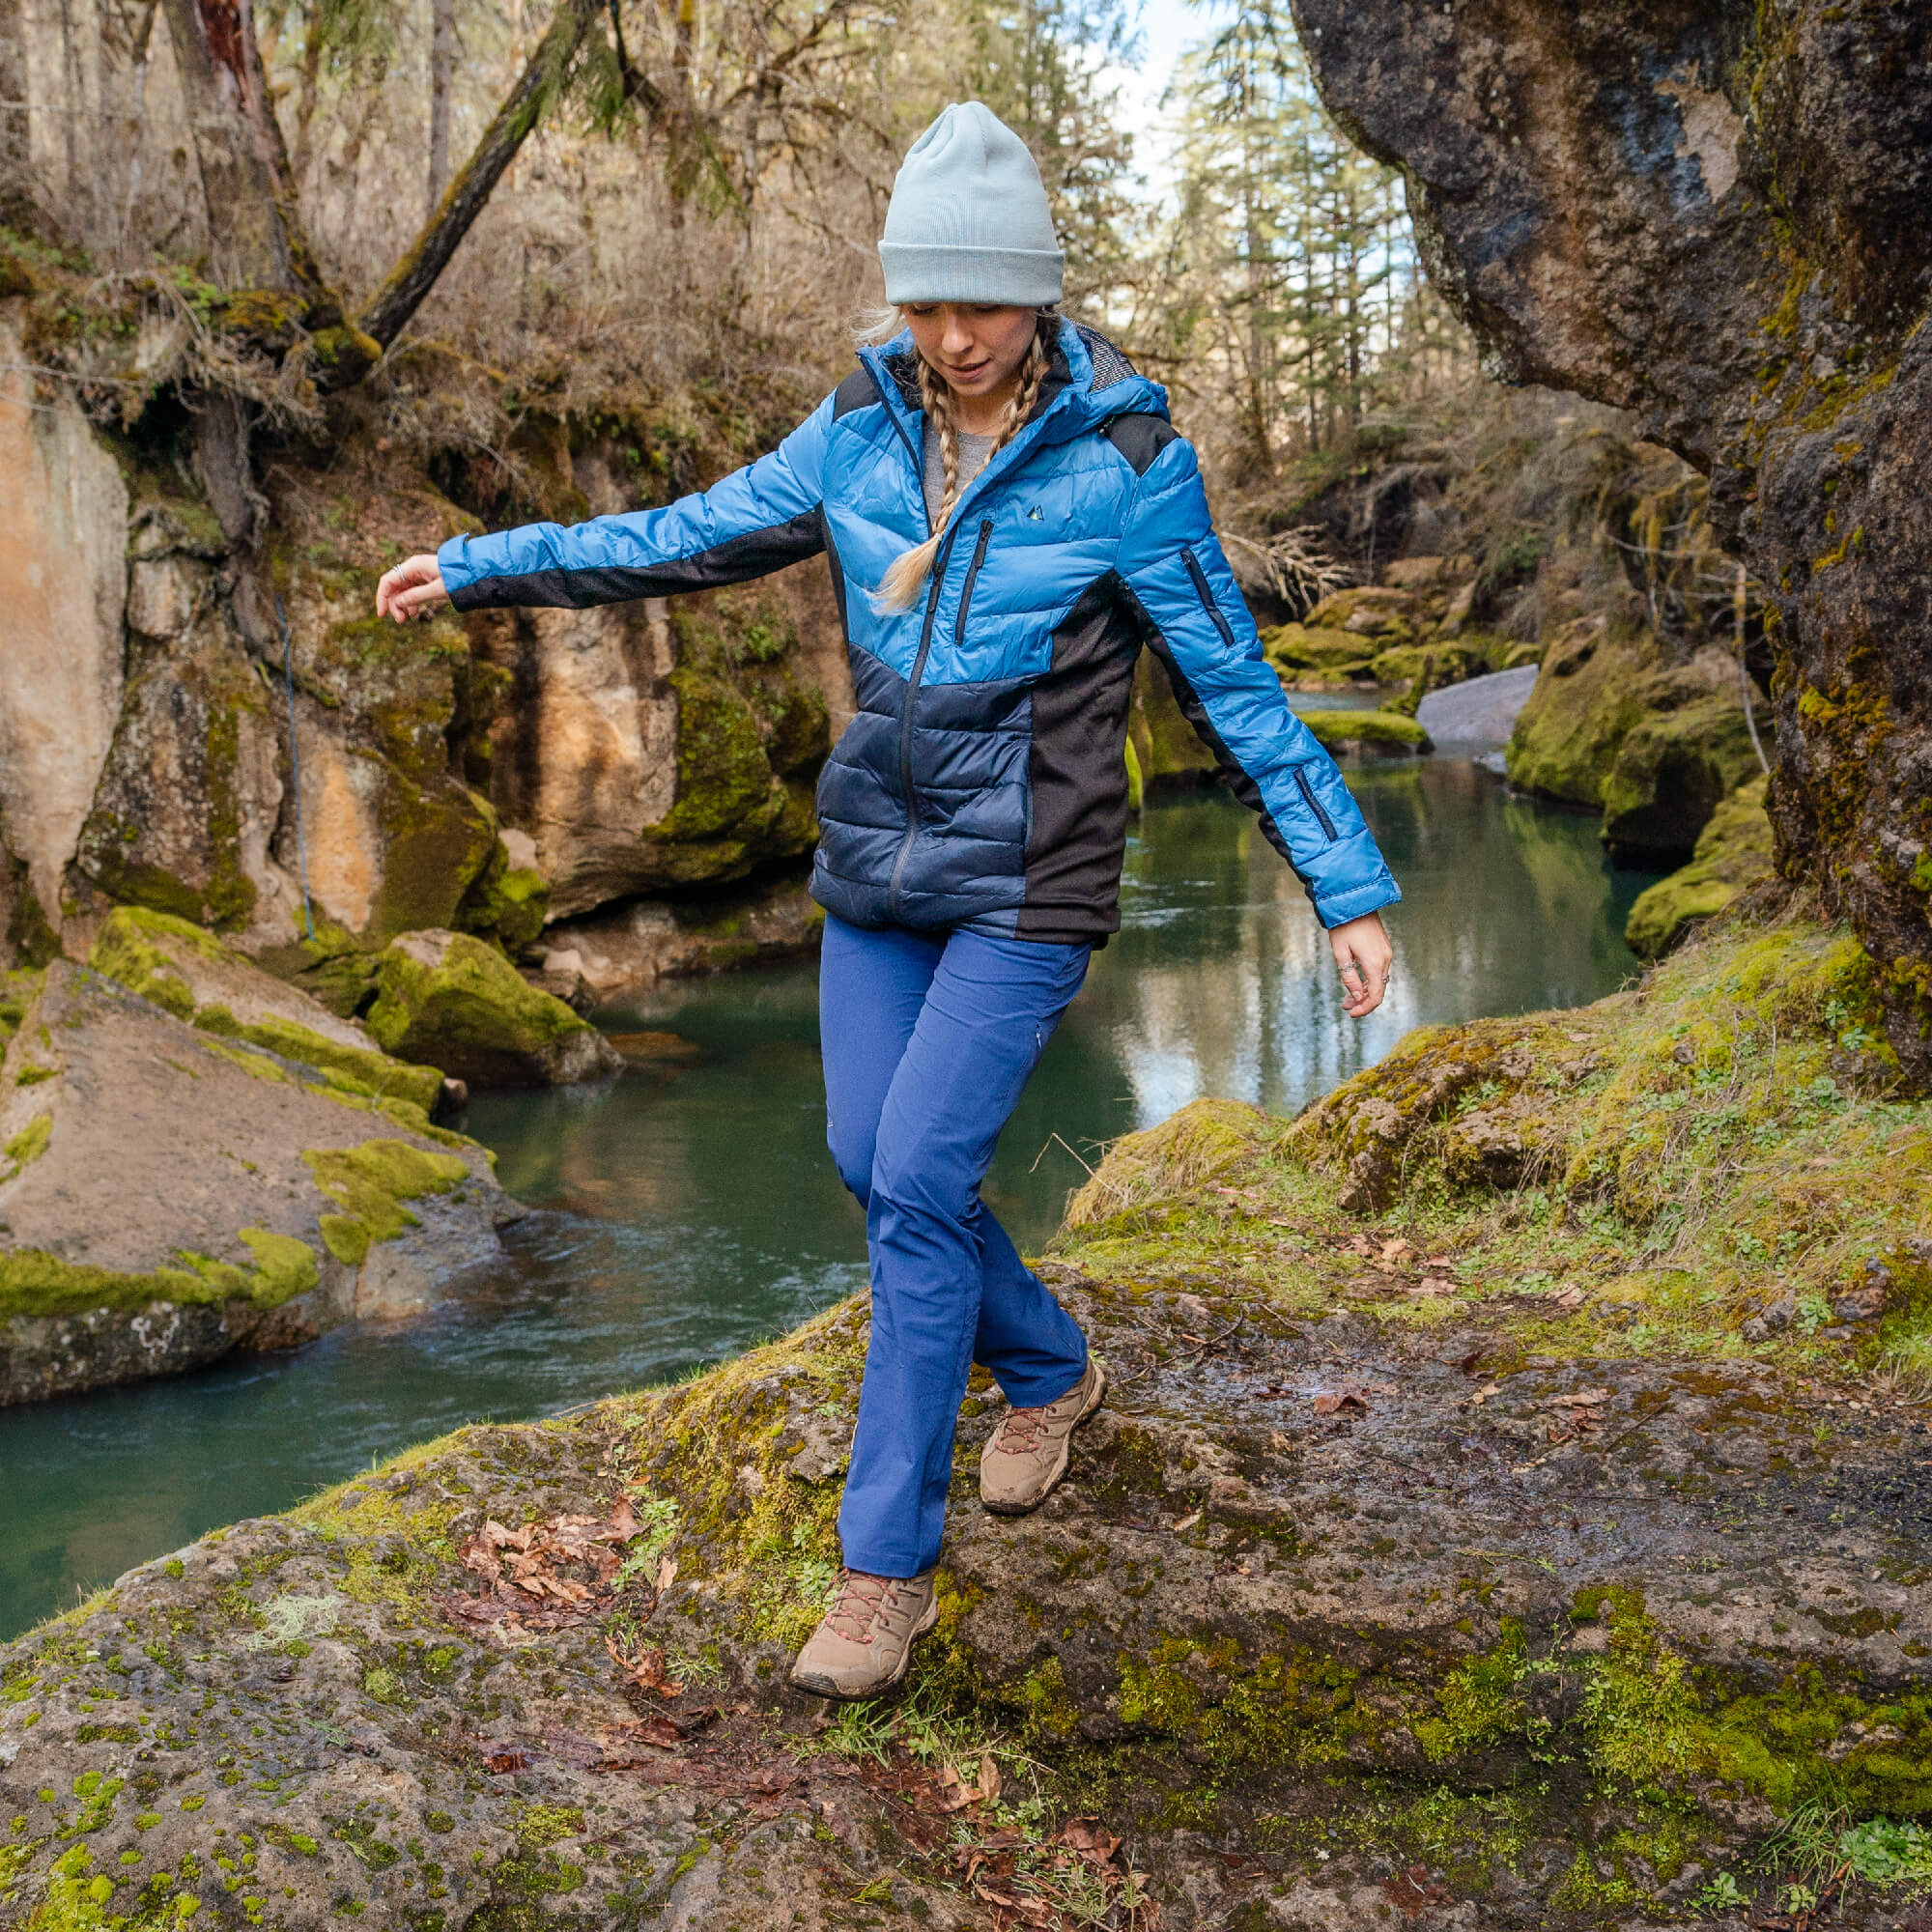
{"x": 690, "y": 1208}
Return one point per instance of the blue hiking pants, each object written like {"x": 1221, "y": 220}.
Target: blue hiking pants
{"x": 929, "y": 1039}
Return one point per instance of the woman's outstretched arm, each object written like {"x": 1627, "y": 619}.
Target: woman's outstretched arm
{"x": 756, "y": 519}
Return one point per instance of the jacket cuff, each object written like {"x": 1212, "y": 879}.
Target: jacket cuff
{"x": 452, "y": 559}
{"x": 1335, "y": 909}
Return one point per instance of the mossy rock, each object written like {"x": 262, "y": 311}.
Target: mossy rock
{"x": 1675, "y": 767}
{"x": 17, "y": 987}
{"x": 170, "y": 1192}
{"x": 187, "y": 972}
{"x": 447, "y": 999}
{"x": 511, "y": 903}
{"x": 1734, "y": 852}
{"x": 1299, "y": 649}
{"x": 1659, "y": 745}
{"x": 1584, "y": 706}
{"x": 1370, "y": 733}
{"x": 1381, "y": 612}
{"x": 1169, "y": 752}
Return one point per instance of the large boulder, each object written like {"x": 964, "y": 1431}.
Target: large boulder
{"x": 1614, "y": 721}
{"x": 184, "y": 816}
{"x": 168, "y": 1194}
{"x": 1718, "y": 217}
{"x": 449, "y": 1000}
{"x": 63, "y": 586}
{"x": 649, "y": 748}
{"x": 1442, "y": 1557}
{"x": 1370, "y": 735}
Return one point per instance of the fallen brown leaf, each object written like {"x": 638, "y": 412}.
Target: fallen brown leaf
{"x": 1343, "y": 1402}
{"x": 1582, "y": 1399}
{"x": 646, "y": 1669}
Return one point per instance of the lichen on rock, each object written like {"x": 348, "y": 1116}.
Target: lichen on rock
{"x": 1734, "y": 853}
{"x": 1615, "y": 722}
{"x": 187, "y": 972}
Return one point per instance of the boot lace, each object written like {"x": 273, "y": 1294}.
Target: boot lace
{"x": 1020, "y": 1430}
{"x": 861, "y": 1602}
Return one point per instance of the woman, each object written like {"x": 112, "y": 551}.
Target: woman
{"x": 1009, "y": 516}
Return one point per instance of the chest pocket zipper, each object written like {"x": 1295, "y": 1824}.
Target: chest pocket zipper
{"x": 972, "y": 578}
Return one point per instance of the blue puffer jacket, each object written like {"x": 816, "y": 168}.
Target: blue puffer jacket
{"x": 982, "y": 782}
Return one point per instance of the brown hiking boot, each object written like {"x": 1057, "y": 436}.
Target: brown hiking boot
{"x": 864, "y": 1642}
{"x": 1028, "y": 1455}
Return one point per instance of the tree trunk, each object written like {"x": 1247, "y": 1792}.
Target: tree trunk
{"x": 442, "y": 72}
{"x": 255, "y": 235}
{"x": 415, "y": 276}
{"x": 17, "y": 198}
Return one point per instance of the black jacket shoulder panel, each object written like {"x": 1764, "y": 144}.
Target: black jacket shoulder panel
{"x": 1139, "y": 438}
{"x": 855, "y": 393}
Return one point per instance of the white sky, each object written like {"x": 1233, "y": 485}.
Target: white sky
{"x": 1167, "y": 27}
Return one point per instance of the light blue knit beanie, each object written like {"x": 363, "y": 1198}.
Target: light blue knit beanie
{"x": 968, "y": 220}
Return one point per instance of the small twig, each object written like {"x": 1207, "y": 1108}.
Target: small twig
{"x": 1041, "y": 1154}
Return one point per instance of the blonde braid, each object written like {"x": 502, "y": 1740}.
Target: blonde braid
{"x": 1032, "y": 376}
{"x": 905, "y": 577}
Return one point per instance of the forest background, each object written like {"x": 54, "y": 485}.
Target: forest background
{"x": 699, "y": 206}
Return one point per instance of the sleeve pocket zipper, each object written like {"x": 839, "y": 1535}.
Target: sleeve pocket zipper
{"x": 1206, "y": 596}
{"x": 1313, "y": 803}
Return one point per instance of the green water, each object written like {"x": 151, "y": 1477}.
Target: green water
{"x": 685, "y": 1212}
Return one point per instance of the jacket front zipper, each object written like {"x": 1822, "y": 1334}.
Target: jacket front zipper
{"x": 1206, "y": 596}
{"x": 939, "y": 564}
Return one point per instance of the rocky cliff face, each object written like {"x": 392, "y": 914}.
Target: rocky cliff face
{"x": 1719, "y": 218}
{"x": 480, "y": 777}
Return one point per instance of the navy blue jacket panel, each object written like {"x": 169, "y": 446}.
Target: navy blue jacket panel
{"x": 982, "y": 782}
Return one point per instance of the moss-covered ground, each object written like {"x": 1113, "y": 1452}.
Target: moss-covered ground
{"x": 1504, "y": 1498}
{"x": 1642, "y": 1176}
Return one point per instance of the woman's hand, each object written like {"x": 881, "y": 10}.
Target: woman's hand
{"x": 413, "y": 589}
{"x": 1362, "y": 951}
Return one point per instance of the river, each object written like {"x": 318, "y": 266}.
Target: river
{"x": 689, "y": 1208}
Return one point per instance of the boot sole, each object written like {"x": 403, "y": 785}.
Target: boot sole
{"x": 823, "y": 1687}
{"x": 1058, "y": 1476}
